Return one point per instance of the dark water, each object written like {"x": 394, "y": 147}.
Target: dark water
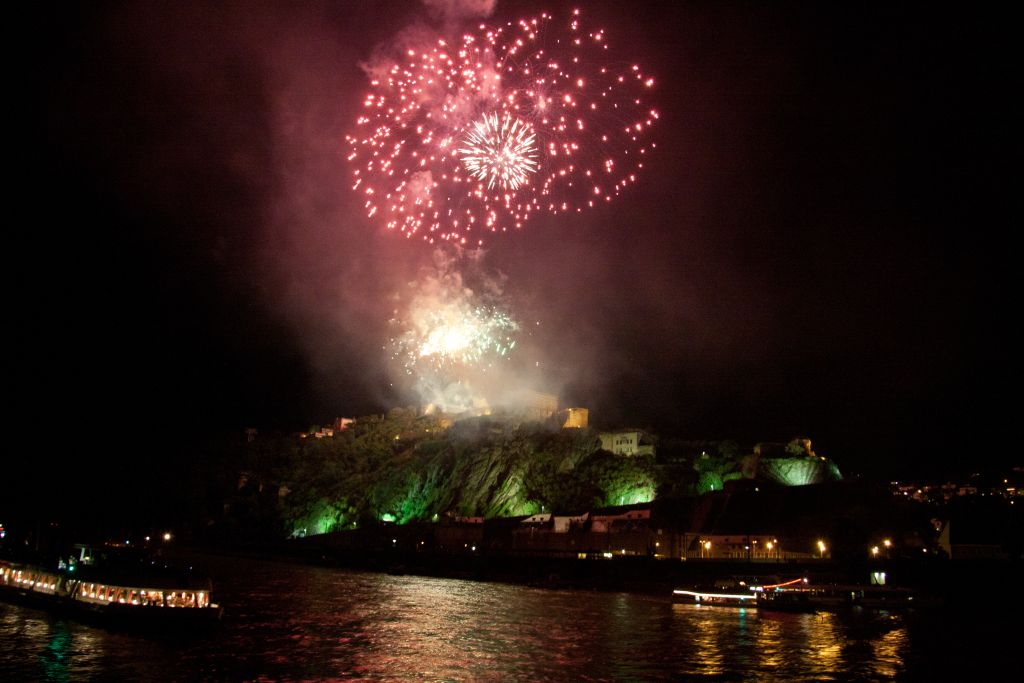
{"x": 292, "y": 622}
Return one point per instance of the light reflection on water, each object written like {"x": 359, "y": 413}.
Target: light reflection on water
{"x": 826, "y": 642}
{"x": 886, "y": 652}
{"x": 769, "y": 641}
{"x": 291, "y": 622}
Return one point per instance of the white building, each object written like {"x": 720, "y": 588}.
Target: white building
{"x": 625, "y": 442}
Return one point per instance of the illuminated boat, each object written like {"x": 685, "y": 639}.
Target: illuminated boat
{"x": 112, "y": 597}
{"x": 733, "y": 592}
{"x": 838, "y": 596}
{"x": 713, "y": 597}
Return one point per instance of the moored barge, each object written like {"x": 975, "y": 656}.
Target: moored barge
{"x": 838, "y": 596}
{"x": 798, "y": 595}
{"x": 110, "y": 596}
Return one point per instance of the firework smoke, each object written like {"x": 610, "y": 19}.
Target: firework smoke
{"x": 455, "y": 335}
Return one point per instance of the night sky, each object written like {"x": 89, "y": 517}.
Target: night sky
{"x": 819, "y": 245}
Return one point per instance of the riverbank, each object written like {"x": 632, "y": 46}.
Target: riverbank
{"x": 939, "y": 579}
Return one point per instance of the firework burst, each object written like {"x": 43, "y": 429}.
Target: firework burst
{"x": 468, "y": 137}
{"x": 500, "y": 153}
{"x": 452, "y": 338}
{"x": 444, "y": 336}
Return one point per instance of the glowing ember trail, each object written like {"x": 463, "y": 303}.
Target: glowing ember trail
{"x": 461, "y": 139}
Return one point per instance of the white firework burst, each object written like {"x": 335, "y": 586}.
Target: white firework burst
{"x": 500, "y": 151}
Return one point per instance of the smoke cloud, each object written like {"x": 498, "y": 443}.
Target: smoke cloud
{"x": 454, "y": 10}
{"x": 456, "y": 337}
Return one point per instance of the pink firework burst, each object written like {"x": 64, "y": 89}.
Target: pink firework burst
{"x": 471, "y": 137}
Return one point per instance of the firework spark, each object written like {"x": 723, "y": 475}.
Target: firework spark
{"x": 464, "y": 138}
{"x": 504, "y": 153}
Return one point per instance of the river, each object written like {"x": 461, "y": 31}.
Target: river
{"x": 290, "y": 622}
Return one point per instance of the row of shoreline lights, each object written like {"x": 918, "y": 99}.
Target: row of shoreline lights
{"x": 822, "y": 547}
{"x": 769, "y": 546}
{"x": 166, "y": 536}
{"x": 706, "y": 546}
{"x": 874, "y": 549}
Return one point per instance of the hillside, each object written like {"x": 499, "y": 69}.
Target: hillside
{"x": 402, "y": 467}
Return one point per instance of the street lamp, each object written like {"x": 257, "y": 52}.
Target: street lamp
{"x": 821, "y": 549}
{"x": 874, "y": 551}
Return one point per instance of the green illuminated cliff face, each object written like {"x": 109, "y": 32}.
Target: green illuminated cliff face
{"x": 490, "y": 470}
{"x": 401, "y": 467}
{"x": 713, "y": 473}
{"x": 799, "y": 471}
